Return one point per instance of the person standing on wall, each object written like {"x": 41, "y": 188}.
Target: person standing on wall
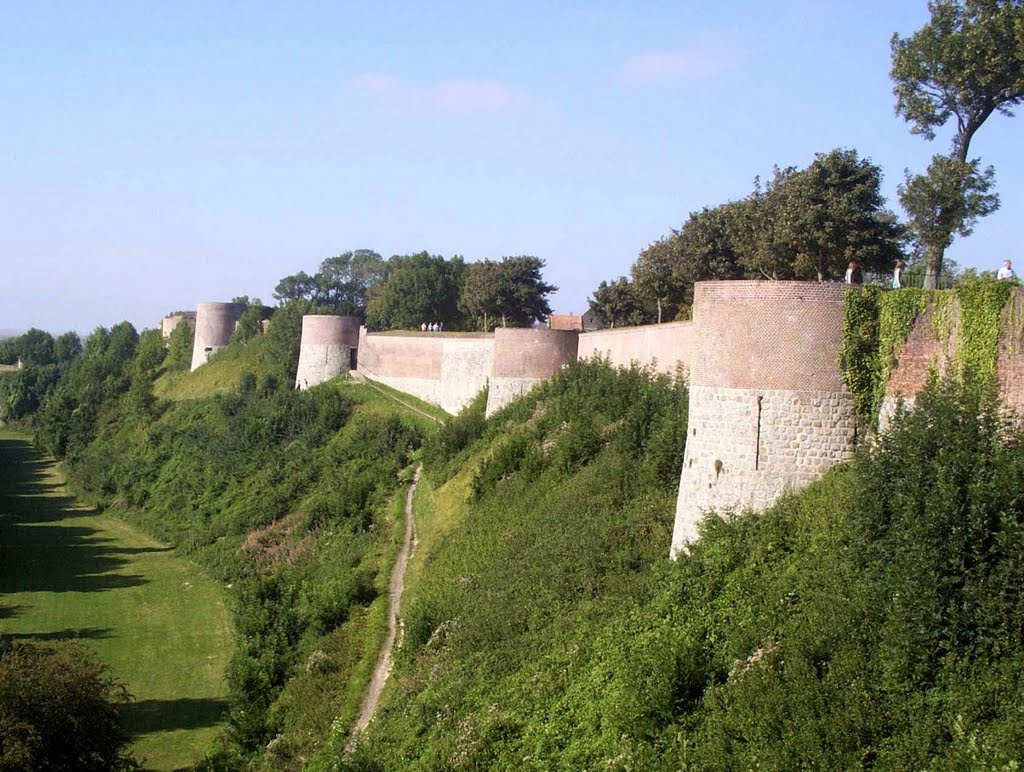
{"x": 853, "y": 274}
{"x": 897, "y": 275}
{"x": 1006, "y": 272}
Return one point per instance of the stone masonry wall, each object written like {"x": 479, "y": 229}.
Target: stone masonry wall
{"x": 745, "y": 447}
{"x": 444, "y": 369}
{"x": 525, "y": 357}
{"x": 768, "y": 410}
{"x": 663, "y": 347}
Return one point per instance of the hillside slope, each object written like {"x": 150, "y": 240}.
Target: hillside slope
{"x": 873, "y": 621}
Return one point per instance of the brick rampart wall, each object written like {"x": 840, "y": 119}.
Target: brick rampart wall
{"x": 768, "y": 411}
{"x": 445, "y": 369}
{"x": 663, "y": 347}
{"x": 525, "y": 357}
{"x": 768, "y": 334}
{"x": 215, "y": 323}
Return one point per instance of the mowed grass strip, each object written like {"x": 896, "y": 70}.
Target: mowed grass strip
{"x": 68, "y": 573}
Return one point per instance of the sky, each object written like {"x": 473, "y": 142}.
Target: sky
{"x": 156, "y": 155}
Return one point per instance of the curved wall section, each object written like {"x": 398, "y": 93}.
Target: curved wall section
{"x": 662, "y": 347}
{"x": 170, "y": 323}
{"x": 444, "y": 369}
{"x": 525, "y": 357}
{"x": 326, "y": 348}
{"x": 215, "y": 323}
{"x": 768, "y": 410}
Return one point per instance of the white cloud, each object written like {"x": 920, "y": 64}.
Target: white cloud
{"x": 693, "y": 63}
{"x": 448, "y": 95}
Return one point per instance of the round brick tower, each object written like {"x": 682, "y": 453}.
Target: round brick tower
{"x": 170, "y": 323}
{"x": 524, "y": 357}
{"x": 215, "y": 322}
{"x": 326, "y": 349}
{"x": 768, "y": 409}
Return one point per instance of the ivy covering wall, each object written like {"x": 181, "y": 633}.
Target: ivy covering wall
{"x": 876, "y": 324}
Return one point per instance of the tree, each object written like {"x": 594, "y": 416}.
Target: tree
{"x": 420, "y": 288}
{"x": 946, "y": 201}
{"x": 616, "y": 304}
{"x": 35, "y": 347}
{"x": 833, "y": 212}
{"x": 340, "y": 286}
{"x": 179, "y": 347}
{"x": 59, "y": 710}
{"x": 656, "y": 278}
{"x": 967, "y": 62}
{"x": 67, "y": 348}
{"x": 512, "y": 290}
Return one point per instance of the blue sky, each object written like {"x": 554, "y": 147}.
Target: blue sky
{"x": 160, "y": 154}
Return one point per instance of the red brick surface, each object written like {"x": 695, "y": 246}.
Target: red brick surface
{"x": 768, "y": 335}
{"x": 530, "y": 353}
{"x": 1011, "y": 353}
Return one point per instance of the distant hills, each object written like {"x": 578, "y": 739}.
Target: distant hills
{"x": 10, "y": 333}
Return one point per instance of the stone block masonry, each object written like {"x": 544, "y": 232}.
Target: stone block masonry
{"x": 326, "y": 348}
{"x": 768, "y": 410}
{"x": 215, "y": 324}
{"x": 745, "y": 447}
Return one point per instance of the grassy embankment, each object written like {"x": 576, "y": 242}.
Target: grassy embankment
{"x": 72, "y": 573}
{"x": 872, "y": 621}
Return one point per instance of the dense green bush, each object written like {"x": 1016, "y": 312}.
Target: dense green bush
{"x": 873, "y": 621}
{"x": 59, "y": 711}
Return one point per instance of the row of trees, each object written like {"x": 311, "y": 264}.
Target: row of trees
{"x": 965, "y": 64}
{"x": 404, "y": 291}
{"x": 801, "y": 224}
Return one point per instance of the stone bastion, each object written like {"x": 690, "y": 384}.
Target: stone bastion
{"x": 768, "y": 410}
{"x": 327, "y": 348}
{"x": 215, "y": 323}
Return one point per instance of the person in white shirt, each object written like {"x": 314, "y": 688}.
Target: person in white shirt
{"x": 1006, "y": 272}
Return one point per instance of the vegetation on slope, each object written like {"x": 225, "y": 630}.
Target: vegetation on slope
{"x": 875, "y": 620}
{"x": 71, "y": 574}
{"x": 285, "y": 497}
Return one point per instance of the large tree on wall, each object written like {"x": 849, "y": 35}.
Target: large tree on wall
{"x": 419, "y": 288}
{"x": 511, "y": 291}
{"x": 966, "y": 63}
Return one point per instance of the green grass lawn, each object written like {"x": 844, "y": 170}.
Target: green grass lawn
{"x": 68, "y": 573}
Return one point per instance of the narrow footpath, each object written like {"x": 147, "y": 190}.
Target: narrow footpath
{"x": 385, "y": 659}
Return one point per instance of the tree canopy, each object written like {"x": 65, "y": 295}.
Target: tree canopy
{"x": 511, "y": 290}
{"x": 966, "y": 63}
{"x": 342, "y": 284}
{"x": 801, "y": 224}
{"x": 419, "y": 288}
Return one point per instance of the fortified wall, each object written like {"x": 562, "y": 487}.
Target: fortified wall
{"x": 327, "y": 348}
{"x": 768, "y": 409}
{"x": 170, "y": 322}
{"x": 448, "y": 369}
{"x": 215, "y": 323}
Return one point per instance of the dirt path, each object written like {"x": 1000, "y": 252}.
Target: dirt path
{"x": 382, "y": 669}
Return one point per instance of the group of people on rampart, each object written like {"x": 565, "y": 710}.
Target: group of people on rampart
{"x": 432, "y": 327}
{"x": 854, "y": 275}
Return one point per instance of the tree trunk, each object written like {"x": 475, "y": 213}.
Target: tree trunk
{"x": 659, "y": 310}
{"x": 933, "y": 268}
